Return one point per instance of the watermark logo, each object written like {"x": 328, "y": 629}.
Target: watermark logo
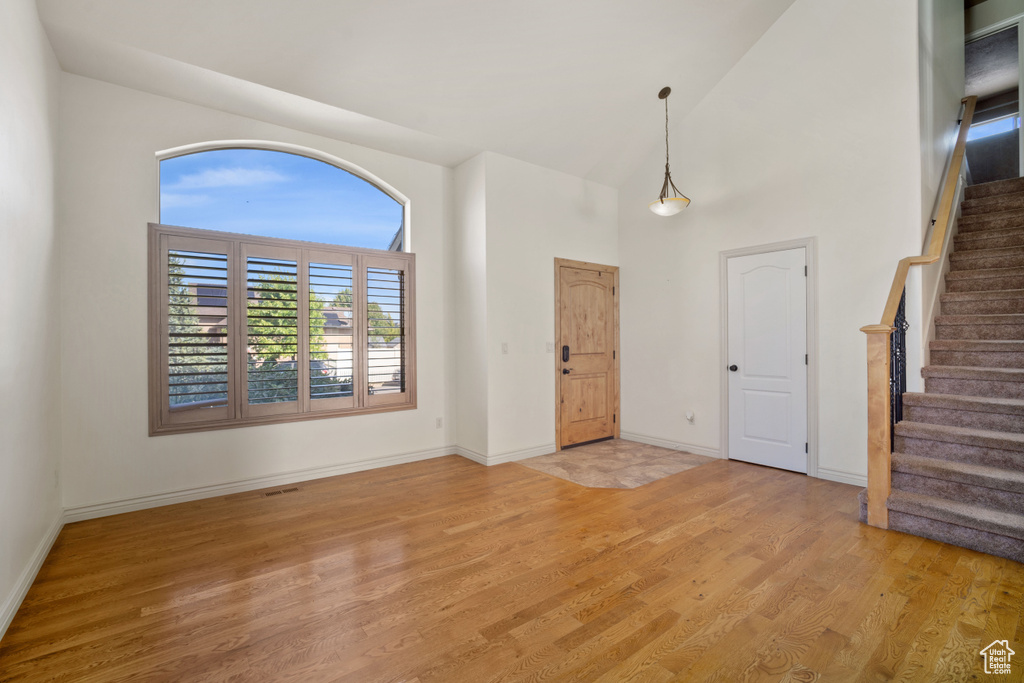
{"x": 997, "y": 657}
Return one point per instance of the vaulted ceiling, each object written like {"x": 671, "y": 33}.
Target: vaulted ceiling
{"x": 566, "y": 84}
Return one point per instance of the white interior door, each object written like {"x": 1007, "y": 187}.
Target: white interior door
{"x": 767, "y": 323}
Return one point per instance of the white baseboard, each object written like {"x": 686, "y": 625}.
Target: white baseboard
{"x": 509, "y": 456}
{"x": 674, "y": 445}
{"x": 842, "y": 477}
{"x": 20, "y": 590}
{"x": 82, "y": 512}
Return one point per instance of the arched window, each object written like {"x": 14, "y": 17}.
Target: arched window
{"x": 280, "y": 194}
{"x": 279, "y": 290}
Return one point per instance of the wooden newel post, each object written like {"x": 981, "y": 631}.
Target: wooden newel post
{"x": 879, "y": 425}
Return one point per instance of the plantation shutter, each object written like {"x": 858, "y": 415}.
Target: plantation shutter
{"x": 333, "y": 344}
{"x": 271, "y": 330}
{"x": 195, "y": 377}
{"x": 257, "y": 330}
{"x": 388, "y": 311}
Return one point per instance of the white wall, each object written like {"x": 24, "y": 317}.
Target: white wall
{"x": 941, "y": 67}
{"x": 108, "y": 178}
{"x": 815, "y": 132}
{"x": 29, "y": 298}
{"x": 470, "y": 319}
{"x": 534, "y": 215}
{"x": 513, "y": 219}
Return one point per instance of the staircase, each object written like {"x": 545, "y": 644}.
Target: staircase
{"x": 958, "y": 460}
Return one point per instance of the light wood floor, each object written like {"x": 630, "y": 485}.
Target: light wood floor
{"x": 447, "y": 571}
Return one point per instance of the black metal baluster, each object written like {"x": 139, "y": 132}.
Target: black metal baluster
{"x": 898, "y": 366}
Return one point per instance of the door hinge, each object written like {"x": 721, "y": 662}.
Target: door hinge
{"x": 613, "y": 354}
{"x": 805, "y": 360}
{"x": 806, "y": 447}
{"x": 613, "y": 291}
{"x": 805, "y": 271}
{"x": 613, "y": 417}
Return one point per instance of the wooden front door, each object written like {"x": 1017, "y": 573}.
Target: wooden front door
{"x": 586, "y": 351}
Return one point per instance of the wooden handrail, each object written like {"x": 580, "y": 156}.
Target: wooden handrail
{"x": 879, "y": 400}
{"x": 934, "y": 251}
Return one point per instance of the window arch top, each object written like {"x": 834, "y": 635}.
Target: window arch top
{"x": 282, "y": 194}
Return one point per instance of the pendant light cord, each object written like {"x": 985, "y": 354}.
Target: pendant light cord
{"x": 668, "y": 174}
{"x": 666, "y": 135}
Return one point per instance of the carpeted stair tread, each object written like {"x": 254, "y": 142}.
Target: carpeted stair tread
{"x": 969, "y": 372}
{"x": 969, "y": 273}
{"x": 992, "y": 353}
{"x": 995, "y": 345}
{"x": 955, "y": 512}
{"x": 983, "y": 295}
{"x": 1004, "y": 209}
{"x": 965, "y": 473}
{"x": 983, "y": 302}
{"x": 974, "y": 225}
{"x": 980, "y": 259}
{"x": 989, "y": 239}
{"x": 981, "y": 404}
{"x": 956, "y": 534}
{"x": 1008, "y": 201}
{"x": 958, "y": 410}
{"x": 965, "y": 436}
{"x": 996, "y": 187}
{"x": 981, "y": 254}
{"x": 986, "y": 235}
{"x": 983, "y": 319}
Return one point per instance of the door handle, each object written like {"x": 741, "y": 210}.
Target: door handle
{"x": 565, "y": 371}
{"x": 565, "y": 353}
{"x": 733, "y": 368}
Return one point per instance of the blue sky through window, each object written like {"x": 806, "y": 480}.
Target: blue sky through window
{"x": 983, "y": 130}
{"x": 276, "y": 194}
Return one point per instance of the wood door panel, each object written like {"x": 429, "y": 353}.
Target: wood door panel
{"x": 587, "y": 325}
{"x": 588, "y": 398}
{"x": 588, "y": 333}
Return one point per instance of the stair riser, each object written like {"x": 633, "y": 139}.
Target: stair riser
{"x": 983, "y": 307}
{"x": 978, "y": 359}
{"x": 1005, "y": 261}
{"x": 979, "y": 331}
{"x": 958, "y": 452}
{"x": 984, "y": 284}
{"x": 982, "y": 541}
{"x": 974, "y": 419}
{"x": 970, "y": 242}
{"x": 999, "y": 187}
{"x": 973, "y": 387}
{"x": 1006, "y": 501}
{"x": 998, "y": 203}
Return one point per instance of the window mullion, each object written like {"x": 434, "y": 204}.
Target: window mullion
{"x": 236, "y": 331}
{"x": 359, "y": 341}
{"x": 303, "y": 321}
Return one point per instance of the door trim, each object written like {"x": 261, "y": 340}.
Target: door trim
{"x": 809, "y": 244}
{"x": 584, "y": 265}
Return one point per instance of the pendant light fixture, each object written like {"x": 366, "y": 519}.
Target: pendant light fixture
{"x": 666, "y": 205}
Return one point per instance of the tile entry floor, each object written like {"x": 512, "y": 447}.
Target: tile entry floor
{"x": 615, "y": 464}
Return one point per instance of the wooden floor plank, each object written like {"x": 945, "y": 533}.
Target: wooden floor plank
{"x": 444, "y": 570}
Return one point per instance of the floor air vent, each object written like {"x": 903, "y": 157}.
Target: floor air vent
{"x": 278, "y": 493}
